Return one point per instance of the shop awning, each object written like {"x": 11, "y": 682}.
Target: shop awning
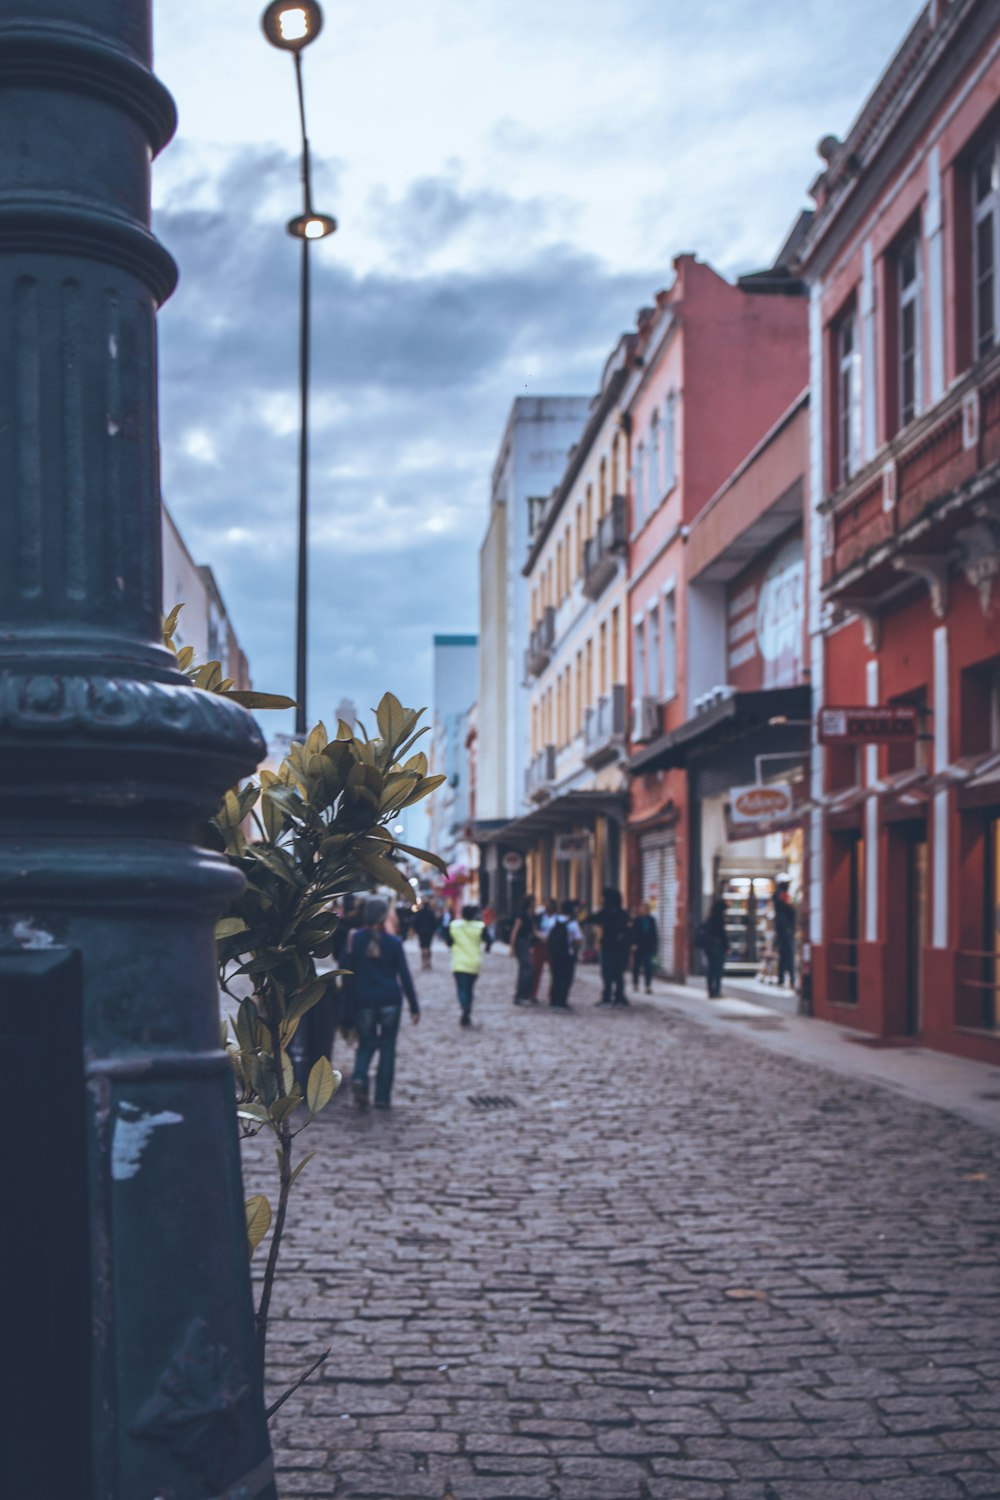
{"x": 558, "y": 815}
{"x": 731, "y": 718}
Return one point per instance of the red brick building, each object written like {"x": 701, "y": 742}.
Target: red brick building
{"x": 903, "y": 262}
{"x": 720, "y": 364}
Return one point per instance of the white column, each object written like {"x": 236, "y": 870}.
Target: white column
{"x": 816, "y": 638}
{"x": 935, "y": 281}
{"x": 871, "y": 818}
{"x": 868, "y": 381}
{"x": 939, "y": 926}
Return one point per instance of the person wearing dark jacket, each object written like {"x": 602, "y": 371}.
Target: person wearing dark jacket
{"x": 716, "y": 946}
{"x": 784, "y": 931}
{"x": 613, "y": 921}
{"x": 381, "y": 980}
{"x": 522, "y": 939}
{"x": 425, "y": 925}
{"x": 645, "y": 940}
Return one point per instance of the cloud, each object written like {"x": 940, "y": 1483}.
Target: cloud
{"x": 413, "y": 373}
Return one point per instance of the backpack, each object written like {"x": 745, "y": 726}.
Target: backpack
{"x": 558, "y": 943}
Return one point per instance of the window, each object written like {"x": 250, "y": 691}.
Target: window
{"x": 908, "y": 273}
{"x": 639, "y": 485}
{"x": 640, "y": 659}
{"x": 985, "y": 242}
{"x": 590, "y": 511}
{"x": 579, "y": 692}
{"x": 602, "y": 660}
{"x": 615, "y": 470}
{"x": 669, "y": 646}
{"x": 579, "y": 541}
{"x": 655, "y": 659}
{"x": 559, "y": 573}
{"x": 670, "y": 443}
{"x": 848, "y": 397}
{"x": 589, "y": 673}
{"x": 655, "y": 487}
{"x": 602, "y": 493}
{"x": 616, "y": 657}
{"x": 536, "y": 510}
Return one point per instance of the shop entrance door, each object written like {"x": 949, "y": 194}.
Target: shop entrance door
{"x": 916, "y": 930}
{"x": 659, "y": 888}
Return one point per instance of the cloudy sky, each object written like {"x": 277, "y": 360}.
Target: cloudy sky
{"x": 512, "y": 180}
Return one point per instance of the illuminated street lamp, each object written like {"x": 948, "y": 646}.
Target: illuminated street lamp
{"x": 291, "y": 27}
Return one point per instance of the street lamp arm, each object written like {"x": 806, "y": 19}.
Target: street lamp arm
{"x": 306, "y": 160}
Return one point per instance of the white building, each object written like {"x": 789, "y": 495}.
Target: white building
{"x": 539, "y": 433}
{"x": 456, "y": 680}
{"x": 204, "y": 621}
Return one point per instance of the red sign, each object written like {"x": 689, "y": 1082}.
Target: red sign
{"x": 883, "y": 724}
{"x": 762, "y": 804}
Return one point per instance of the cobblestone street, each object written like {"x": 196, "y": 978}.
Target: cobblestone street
{"x": 622, "y": 1256}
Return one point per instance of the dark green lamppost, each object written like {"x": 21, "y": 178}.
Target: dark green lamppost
{"x": 127, "y": 1318}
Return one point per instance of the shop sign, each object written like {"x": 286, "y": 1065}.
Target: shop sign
{"x": 885, "y": 724}
{"x": 512, "y": 861}
{"x": 761, "y": 803}
{"x": 572, "y": 846}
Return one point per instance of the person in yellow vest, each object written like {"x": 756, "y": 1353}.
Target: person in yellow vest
{"x": 464, "y": 936}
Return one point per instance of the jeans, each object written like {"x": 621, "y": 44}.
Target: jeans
{"x": 465, "y": 984}
{"x": 377, "y": 1032}
{"x": 642, "y": 963}
{"x": 613, "y": 977}
{"x": 716, "y": 963}
{"x": 786, "y": 960}
{"x": 525, "y": 971}
{"x": 562, "y": 982}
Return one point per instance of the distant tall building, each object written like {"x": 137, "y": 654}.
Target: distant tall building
{"x": 539, "y": 433}
{"x": 456, "y": 680}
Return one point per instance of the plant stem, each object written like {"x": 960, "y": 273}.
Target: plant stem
{"x": 285, "y": 1181}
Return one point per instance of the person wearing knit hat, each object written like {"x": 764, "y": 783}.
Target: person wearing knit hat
{"x": 381, "y": 981}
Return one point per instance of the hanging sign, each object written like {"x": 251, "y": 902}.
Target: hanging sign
{"x": 882, "y": 724}
{"x": 512, "y": 861}
{"x": 572, "y": 846}
{"x": 761, "y": 804}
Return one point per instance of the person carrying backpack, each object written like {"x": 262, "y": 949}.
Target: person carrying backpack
{"x": 563, "y": 942}
{"x": 381, "y": 980}
{"x": 464, "y": 936}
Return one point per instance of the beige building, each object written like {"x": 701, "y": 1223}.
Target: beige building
{"x": 576, "y": 663}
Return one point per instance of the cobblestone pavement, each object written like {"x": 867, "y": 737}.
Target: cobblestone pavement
{"x": 664, "y": 1264}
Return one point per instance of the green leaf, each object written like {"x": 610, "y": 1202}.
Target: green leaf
{"x": 255, "y": 1112}
{"x": 425, "y": 855}
{"x": 321, "y": 1085}
{"x": 258, "y": 1216}
{"x": 303, "y": 1163}
{"x": 282, "y": 1108}
{"x": 229, "y": 927}
{"x": 248, "y": 698}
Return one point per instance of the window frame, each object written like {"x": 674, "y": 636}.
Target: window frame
{"x": 983, "y": 212}
{"x": 909, "y": 296}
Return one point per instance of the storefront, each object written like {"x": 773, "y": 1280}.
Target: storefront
{"x": 570, "y": 848}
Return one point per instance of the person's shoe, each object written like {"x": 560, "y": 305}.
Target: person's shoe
{"x": 603, "y": 1004}
{"x": 382, "y": 1104}
{"x": 360, "y": 1092}
{"x": 466, "y": 1019}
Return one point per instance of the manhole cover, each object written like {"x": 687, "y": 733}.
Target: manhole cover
{"x": 492, "y": 1101}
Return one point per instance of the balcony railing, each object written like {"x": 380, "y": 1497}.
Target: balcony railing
{"x": 601, "y": 552}
{"x": 541, "y": 773}
{"x": 924, "y": 466}
{"x": 540, "y": 644}
{"x": 604, "y": 727}
{"x": 645, "y": 719}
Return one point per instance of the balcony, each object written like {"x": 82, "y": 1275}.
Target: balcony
{"x": 925, "y": 477}
{"x": 604, "y": 728}
{"x": 601, "y": 553}
{"x": 540, "y": 775}
{"x": 540, "y": 644}
{"x": 645, "y": 720}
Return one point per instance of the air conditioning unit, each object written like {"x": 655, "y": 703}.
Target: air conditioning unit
{"x": 645, "y": 719}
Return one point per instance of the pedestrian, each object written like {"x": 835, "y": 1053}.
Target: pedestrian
{"x": 645, "y": 939}
{"x": 490, "y": 918}
{"x": 465, "y": 938}
{"x": 425, "y": 925}
{"x": 522, "y": 938}
{"x": 381, "y": 980}
{"x": 545, "y": 915}
{"x": 564, "y": 942}
{"x": 784, "y": 930}
{"x": 612, "y": 919}
{"x": 716, "y": 944}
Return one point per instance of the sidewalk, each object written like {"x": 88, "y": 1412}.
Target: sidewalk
{"x": 956, "y": 1084}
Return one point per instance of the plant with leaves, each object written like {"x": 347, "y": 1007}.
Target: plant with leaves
{"x": 318, "y": 830}
{"x": 314, "y": 830}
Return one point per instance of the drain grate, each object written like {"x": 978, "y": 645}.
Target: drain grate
{"x": 492, "y": 1101}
